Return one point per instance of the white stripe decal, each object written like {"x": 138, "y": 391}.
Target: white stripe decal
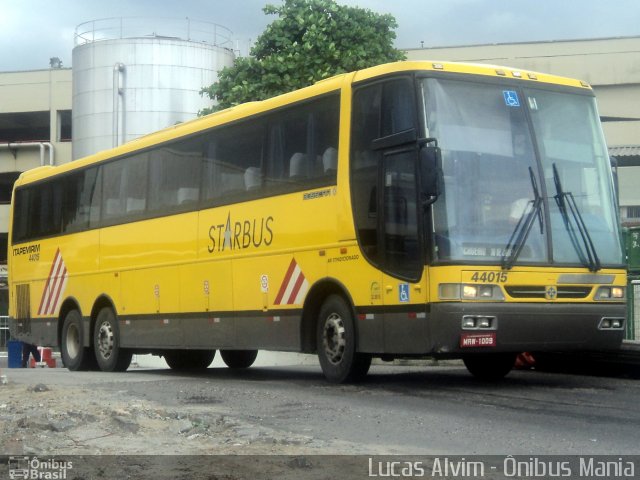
{"x": 54, "y": 286}
{"x": 56, "y": 304}
{"x": 294, "y": 287}
{"x": 301, "y": 293}
{"x": 292, "y": 281}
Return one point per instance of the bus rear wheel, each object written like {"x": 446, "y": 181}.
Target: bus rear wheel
{"x": 111, "y": 357}
{"x": 490, "y": 366}
{"x": 336, "y": 343}
{"x": 189, "y": 359}
{"x": 74, "y": 355}
{"x": 238, "y": 359}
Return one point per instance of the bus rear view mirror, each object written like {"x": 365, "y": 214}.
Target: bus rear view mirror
{"x": 430, "y": 167}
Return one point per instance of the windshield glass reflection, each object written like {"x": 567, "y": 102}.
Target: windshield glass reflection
{"x": 487, "y": 160}
{"x": 491, "y": 175}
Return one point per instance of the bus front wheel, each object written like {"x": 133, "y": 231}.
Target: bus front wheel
{"x": 336, "y": 343}
{"x": 490, "y": 366}
{"x": 111, "y": 357}
{"x": 238, "y": 359}
{"x": 74, "y": 355}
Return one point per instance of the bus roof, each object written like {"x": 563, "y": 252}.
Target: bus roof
{"x": 468, "y": 68}
{"x": 323, "y": 86}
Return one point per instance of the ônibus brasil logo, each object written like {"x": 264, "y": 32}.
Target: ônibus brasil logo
{"x": 21, "y": 467}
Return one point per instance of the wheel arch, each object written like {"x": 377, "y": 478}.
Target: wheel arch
{"x": 318, "y": 293}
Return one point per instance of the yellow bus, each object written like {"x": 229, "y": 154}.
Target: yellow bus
{"x": 411, "y": 209}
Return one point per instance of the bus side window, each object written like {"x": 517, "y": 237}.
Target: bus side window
{"x": 47, "y": 205}
{"x": 125, "y": 188}
{"x": 233, "y": 163}
{"x": 174, "y": 183}
{"x": 252, "y": 178}
{"x": 302, "y": 146}
{"x": 20, "y": 230}
{"x": 79, "y": 200}
{"x": 299, "y": 167}
{"x": 330, "y": 161}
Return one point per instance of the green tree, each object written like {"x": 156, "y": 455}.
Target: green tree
{"x": 310, "y": 40}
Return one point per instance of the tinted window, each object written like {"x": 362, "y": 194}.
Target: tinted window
{"x": 81, "y": 200}
{"x": 20, "y": 215}
{"x": 46, "y": 203}
{"x": 398, "y": 107}
{"x": 124, "y": 191}
{"x": 364, "y": 168}
{"x": 289, "y": 150}
{"x": 234, "y": 162}
{"x": 401, "y": 246}
{"x": 383, "y": 181}
{"x": 302, "y": 146}
{"x": 174, "y": 176}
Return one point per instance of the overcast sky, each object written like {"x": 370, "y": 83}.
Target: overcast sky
{"x": 33, "y": 31}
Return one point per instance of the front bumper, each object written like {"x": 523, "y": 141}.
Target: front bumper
{"x": 527, "y": 327}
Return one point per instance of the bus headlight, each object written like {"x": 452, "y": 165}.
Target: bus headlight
{"x": 470, "y": 291}
{"x": 610, "y": 293}
{"x": 449, "y": 291}
{"x": 482, "y": 292}
{"x": 457, "y": 291}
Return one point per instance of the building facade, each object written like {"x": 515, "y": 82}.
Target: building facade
{"x": 35, "y": 129}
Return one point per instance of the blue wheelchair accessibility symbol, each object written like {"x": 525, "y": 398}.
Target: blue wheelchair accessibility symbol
{"x": 404, "y": 292}
{"x": 511, "y": 98}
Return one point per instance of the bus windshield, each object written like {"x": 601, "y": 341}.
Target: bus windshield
{"x": 492, "y": 161}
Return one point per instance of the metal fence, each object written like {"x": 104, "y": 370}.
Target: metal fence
{"x": 4, "y": 333}
{"x": 633, "y": 317}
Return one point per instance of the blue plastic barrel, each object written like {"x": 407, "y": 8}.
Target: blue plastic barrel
{"x": 14, "y": 349}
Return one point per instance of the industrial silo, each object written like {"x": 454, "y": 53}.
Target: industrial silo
{"x": 132, "y": 76}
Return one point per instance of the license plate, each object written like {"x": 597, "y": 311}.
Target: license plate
{"x": 474, "y": 340}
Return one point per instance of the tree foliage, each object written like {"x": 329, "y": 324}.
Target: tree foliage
{"x": 310, "y": 40}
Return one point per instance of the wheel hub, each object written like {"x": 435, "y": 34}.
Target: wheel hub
{"x": 333, "y": 338}
{"x": 105, "y": 340}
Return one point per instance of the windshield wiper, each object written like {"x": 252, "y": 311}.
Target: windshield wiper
{"x": 567, "y": 204}
{"x": 522, "y": 229}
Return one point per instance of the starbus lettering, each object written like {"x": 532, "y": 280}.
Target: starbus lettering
{"x": 236, "y": 235}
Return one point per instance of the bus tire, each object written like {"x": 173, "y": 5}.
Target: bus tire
{"x": 238, "y": 359}
{"x": 106, "y": 343}
{"x": 74, "y": 355}
{"x": 336, "y": 343}
{"x": 189, "y": 359}
{"x": 490, "y": 366}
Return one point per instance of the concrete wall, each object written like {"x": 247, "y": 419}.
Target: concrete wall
{"x": 34, "y": 91}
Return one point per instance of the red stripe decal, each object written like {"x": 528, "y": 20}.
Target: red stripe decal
{"x": 296, "y": 289}
{"x": 56, "y": 294}
{"x": 46, "y": 287}
{"x": 285, "y": 282}
{"x": 54, "y": 286}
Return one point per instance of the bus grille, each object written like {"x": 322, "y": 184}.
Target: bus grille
{"x": 537, "y": 291}
{"x": 23, "y": 301}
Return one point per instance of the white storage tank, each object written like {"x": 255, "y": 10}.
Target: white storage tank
{"x": 133, "y": 76}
